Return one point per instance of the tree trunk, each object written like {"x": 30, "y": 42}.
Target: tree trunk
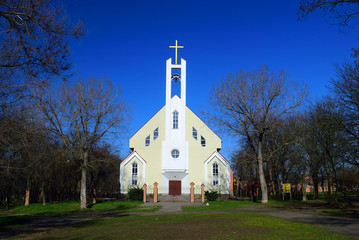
{"x": 329, "y": 192}
{"x": 261, "y": 174}
{"x": 304, "y": 188}
{"x": 43, "y": 193}
{"x": 94, "y": 195}
{"x": 316, "y": 185}
{"x": 83, "y": 200}
{"x": 27, "y": 196}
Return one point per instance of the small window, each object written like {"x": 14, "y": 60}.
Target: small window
{"x": 194, "y": 133}
{"x": 203, "y": 141}
{"x": 155, "y": 134}
{"x": 134, "y": 174}
{"x": 175, "y": 119}
{"x": 175, "y": 153}
{"x": 215, "y": 174}
{"x": 148, "y": 140}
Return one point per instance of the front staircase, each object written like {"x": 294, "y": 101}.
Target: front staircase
{"x": 174, "y": 198}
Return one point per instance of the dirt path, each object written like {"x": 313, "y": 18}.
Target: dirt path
{"x": 42, "y": 223}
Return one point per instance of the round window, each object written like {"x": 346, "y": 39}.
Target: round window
{"x": 175, "y": 153}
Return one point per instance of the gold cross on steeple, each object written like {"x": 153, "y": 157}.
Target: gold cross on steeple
{"x": 176, "y": 47}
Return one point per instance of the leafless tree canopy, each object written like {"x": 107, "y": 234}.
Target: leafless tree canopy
{"x": 80, "y": 114}
{"x": 250, "y": 102}
{"x": 249, "y": 105}
{"x": 33, "y": 46}
{"x": 33, "y": 34}
{"x": 83, "y": 112}
{"x": 344, "y": 12}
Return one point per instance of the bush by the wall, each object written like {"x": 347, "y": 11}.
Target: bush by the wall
{"x": 211, "y": 196}
{"x": 135, "y": 194}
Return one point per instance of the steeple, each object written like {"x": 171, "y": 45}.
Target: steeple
{"x": 172, "y": 74}
{"x": 175, "y": 147}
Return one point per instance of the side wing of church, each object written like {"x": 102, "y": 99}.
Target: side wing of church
{"x": 175, "y": 147}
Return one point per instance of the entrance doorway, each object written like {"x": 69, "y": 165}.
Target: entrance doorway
{"x": 174, "y": 188}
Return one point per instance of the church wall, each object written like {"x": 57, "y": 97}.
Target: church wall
{"x": 198, "y": 154}
{"x": 127, "y": 178}
{"x": 222, "y": 188}
{"x": 152, "y": 153}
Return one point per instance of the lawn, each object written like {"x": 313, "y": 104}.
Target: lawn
{"x": 217, "y": 220}
{"x": 190, "y": 226}
{"x": 73, "y": 206}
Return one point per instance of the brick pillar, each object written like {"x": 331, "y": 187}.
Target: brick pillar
{"x": 231, "y": 184}
{"x": 155, "y": 192}
{"x": 202, "y": 192}
{"x": 192, "y": 192}
{"x": 144, "y": 192}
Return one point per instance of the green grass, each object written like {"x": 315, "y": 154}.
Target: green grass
{"x": 24, "y": 214}
{"x": 218, "y": 206}
{"x": 342, "y": 213}
{"x": 191, "y": 226}
{"x": 73, "y": 206}
{"x": 8, "y": 222}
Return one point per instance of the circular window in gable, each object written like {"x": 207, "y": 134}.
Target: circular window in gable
{"x": 175, "y": 153}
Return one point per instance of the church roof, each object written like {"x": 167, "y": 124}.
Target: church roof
{"x": 188, "y": 109}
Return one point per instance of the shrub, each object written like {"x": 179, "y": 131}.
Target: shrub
{"x": 211, "y": 196}
{"x": 135, "y": 194}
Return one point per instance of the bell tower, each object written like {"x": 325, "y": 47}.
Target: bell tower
{"x": 175, "y": 147}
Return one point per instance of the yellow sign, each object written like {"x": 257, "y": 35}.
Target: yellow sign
{"x": 286, "y": 187}
{"x": 176, "y": 47}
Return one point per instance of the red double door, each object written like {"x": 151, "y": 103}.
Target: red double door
{"x": 174, "y": 188}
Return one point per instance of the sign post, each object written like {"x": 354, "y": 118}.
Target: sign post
{"x": 286, "y": 189}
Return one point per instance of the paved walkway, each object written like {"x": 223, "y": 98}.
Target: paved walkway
{"x": 170, "y": 207}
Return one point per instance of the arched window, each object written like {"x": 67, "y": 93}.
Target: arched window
{"x": 194, "y": 133}
{"x": 175, "y": 119}
{"x": 134, "y": 174}
{"x": 203, "y": 141}
{"x": 148, "y": 140}
{"x": 155, "y": 134}
{"x": 215, "y": 174}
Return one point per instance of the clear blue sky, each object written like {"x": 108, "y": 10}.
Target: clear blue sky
{"x": 127, "y": 41}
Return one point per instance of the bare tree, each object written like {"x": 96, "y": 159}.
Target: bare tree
{"x": 249, "y": 104}
{"x": 326, "y": 143}
{"x": 33, "y": 45}
{"x": 81, "y": 114}
{"x": 346, "y": 90}
{"x": 343, "y": 11}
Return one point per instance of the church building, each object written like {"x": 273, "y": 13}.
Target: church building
{"x": 175, "y": 147}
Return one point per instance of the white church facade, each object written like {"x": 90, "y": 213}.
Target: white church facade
{"x": 175, "y": 147}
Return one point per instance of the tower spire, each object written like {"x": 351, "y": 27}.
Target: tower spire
{"x": 176, "y": 47}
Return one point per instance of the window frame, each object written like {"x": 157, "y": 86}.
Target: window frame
{"x": 203, "y": 141}
{"x": 148, "y": 141}
{"x": 175, "y": 119}
{"x": 194, "y": 133}
{"x": 134, "y": 174}
{"x": 155, "y": 134}
{"x": 215, "y": 174}
{"x": 177, "y": 155}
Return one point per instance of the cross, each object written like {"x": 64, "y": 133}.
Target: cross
{"x": 176, "y": 47}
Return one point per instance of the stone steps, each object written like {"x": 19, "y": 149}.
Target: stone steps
{"x": 177, "y": 198}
